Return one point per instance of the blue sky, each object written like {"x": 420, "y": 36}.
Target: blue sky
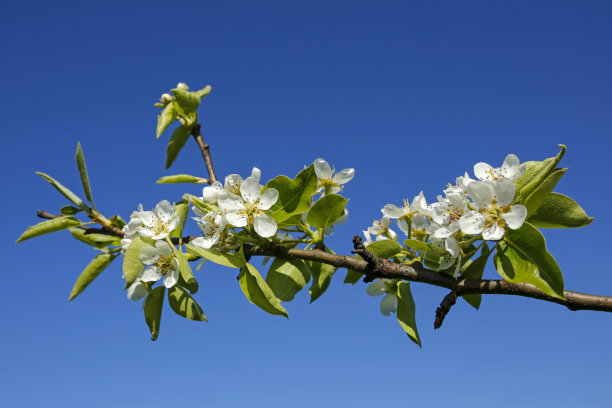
{"x": 409, "y": 94}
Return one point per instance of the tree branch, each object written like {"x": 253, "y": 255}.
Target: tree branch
{"x": 205, "y": 149}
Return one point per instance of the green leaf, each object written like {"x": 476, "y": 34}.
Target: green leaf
{"x": 83, "y": 173}
{"x": 287, "y": 277}
{"x": 352, "y": 276}
{"x": 522, "y": 257}
{"x": 132, "y": 267}
{"x": 416, "y": 244}
{"x": 46, "y": 227}
{"x": 536, "y": 173}
{"x": 153, "y": 305}
{"x": 177, "y": 141}
{"x": 185, "y": 102}
{"x": 95, "y": 240}
{"x": 541, "y": 192}
{"x": 294, "y": 220}
{"x": 321, "y": 278}
{"x": 233, "y": 260}
{"x": 165, "y": 118}
{"x": 184, "y": 305}
{"x": 202, "y": 93}
{"x": 559, "y": 211}
{"x": 179, "y": 178}
{"x": 475, "y": 270}
{"x": 63, "y": 190}
{"x": 326, "y": 210}
{"x": 293, "y": 195}
{"x": 185, "y": 271}
{"x": 117, "y": 221}
{"x": 385, "y": 248}
{"x": 181, "y": 209}
{"x": 406, "y": 312}
{"x": 91, "y": 272}
{"x": 199, "y": 203}
{"x": 69, "y": 210}
{"x": 258, "y": 292}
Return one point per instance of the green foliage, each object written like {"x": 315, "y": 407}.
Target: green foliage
{"x": 185, "y": 102}
{"x": 199, "y": 203}
{"x": 165, "y": 118}
{"x": 522, "y": 257}
{"x": 181, "y": 209}
{"x": 536, "y": 173}
{"x": 406, "y": 311}
{"x": 385, "y": 248}
{"x": 222, "y": 258}
{"x": 69, "y": 210}
{"x": 287, "y": 277}
{"x": 326, "y": 210}
{"x": 83, "y": 173}
{"x": 91, "y": 272}
{"x": 76, "y": 200}
{"x": 202, "y": 93}
{"x": 321, "y": 278}
{"x": 184, "y": 305}
{"x": 177, "y": 142}
{"x": 95, "y": 240}
{"x": 542, "y": 191}
{"x": 152, "y": 307}
{"x": 352, "y": 277}
{"x": 416, "y": 244}
{"x": 559, "y": 211}
{"x": 293, "y": 195}
{"x": 46, "y": 227}
{"x": 258, "y": 292}
{"x": 185, "y": 271}
{"x": 132, "y": 266}
{"x": 179, "y": 178}
{"x": 475, "y": 270}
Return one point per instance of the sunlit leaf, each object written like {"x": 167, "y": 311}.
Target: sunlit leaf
{"x": 293, "y": 195}
{"x": 233, "y": 260}
{"x": 406, "y": 311}
{"x": 475, "y": 270}
{"x": 322, "y": 274}
{"x": 132, "y": 266}
{"x": 83, "y": 173}
{"x": 258, "y": 292}
{"x": 287, "y": 277}
{"x": 63, "y": 190}
{"x": 177, "y": 141}
{"x": 326, "y": 210}
{"x": 179, "y": 178}
{"x": 184, "y": 305}
{"x": 385, "y": 248}
{"x": 152, "y": 307}
{"x": 46, "y": 227}
{"x": 165, "y": 118}
{"x": 559, "y": 211}
{"x": 91, "y": 272}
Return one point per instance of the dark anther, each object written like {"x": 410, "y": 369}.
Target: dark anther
{"x": 367, "y": 256}
{"x": 445, "y": 307}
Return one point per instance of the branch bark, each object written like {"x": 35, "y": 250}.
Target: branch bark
{"x": 205, "y": 149}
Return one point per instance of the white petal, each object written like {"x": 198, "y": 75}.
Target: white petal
{"x": 342, "y": 218}
{"x": 516, "y": 216}
{"x": 493, "y": 233}
{"x": 211, "y": 194}
{"x": 376, "y": 288}
{"x": 322, "y": 169}
{"x": 392, "y": 211}
{"x": 199, "y": 212}
{"x": 164, "y": 211}
{"x": 145, "y": 232}
{"x": 392, "y": 234}
{"x": 510, "y": 166}
{"x": 229, "y": 202}
{"x": 264, "y": 225}
{"x": 200, "y": 242}
{"x": 256, "y": 174}
{"x": 388, "y": 305}
{"x": 419, "y": 222}
{"x": 483, "y": 171}
{"x": 151, "y": 274}
{"x": 148, "y": 255}
{"x": 403, "y": 226}
{"x": 171, "y": 278}
{"x": 452, "y": 246}
{"x": 163, "y": 248}
{"x": 268, "y": 199}
{"x": 481, "y": 193}
{"x": 148, "y": 218}
{"x": 232, "y": 182}
{"x": 250, "y": 190}
{"x": 504, "y": 191}
{"x": 472, "y": 223}
{"x": 344, "y": 176}
{"x": 237, "y": 219}
{"x": 136, "y": 291}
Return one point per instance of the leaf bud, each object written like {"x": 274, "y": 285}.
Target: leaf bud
{"x": 166, "y": 98}
{"x": 182, "y": 86}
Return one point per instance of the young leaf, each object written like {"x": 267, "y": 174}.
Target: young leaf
{"x": 153, "y": 305}
{"x": 83, "y": 173}
{"x": 202, "y": 93}
{"x": 222, "y": 258}
{"x": 69, "y": 210}
{"x": 326, "y": 210}
{"x": 385, "y": 248}
{"x": 287, "y": 277}
{"x": 475, "y": 270}
{"x": 177, "y": 141}
{"x": 185, "y": 271}
{"x": 95, "y": 240}
{"x": 91, "y": 272}
{"x": 416, "y": 244}
{"x": 199, "y": 203}
{"x": 541, "y": 192}
{"x": 559, "y": 211}
{"x": 406, "y": 312}
{"x": 132, "y": 266}
{"x": 179, "y": 178}
{"x": 181, "y": 209}
{"x": 321, "y": 278}
{"x": 165, "y": 118}
{"x": 184, "y": 305}
{"x": 185, "y": 102}
{"x": 258, "y": 292}
{"x": 352, "y": 276}
{"x": 117, "y": 221}
{"x": 536, "y": 173}
{"x": 293, "y": 195}
{"x": 63, "y": 190}
{"x": 522, "y": 257}
{"x": 46, "y": 227}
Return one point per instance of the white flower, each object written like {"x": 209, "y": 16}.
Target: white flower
{"x": 212, "y": 225}
{"x": 130, "y": 230}
{"x": 492, "y": 202}
{"x": 249, "y": 207}
{"x": 166, "y": 98}
{"x": 329, "y": 182}
{"x": 329, "y": 230}
{"x": 388, "y": 304}
{"x": 183, "y": 86}
{"x": 162, "y": 263}
{"x": 381, "y": 229}
{"x": 416, "y": 213}
{"x": 510, "y": 169}
{"x": 460, "y": 186}
{"x": 446, "y": 212}
{"x": 211, "y": 194}
{"x": 159, "y": 223}
{"x": 449, "y": 244}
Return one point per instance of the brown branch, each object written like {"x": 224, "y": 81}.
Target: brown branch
{"x": 445, "y": 307}
{"x": 205, "y": 149}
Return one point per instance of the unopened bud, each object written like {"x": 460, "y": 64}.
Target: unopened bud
{"x": 166, "y": 98}
{"x": 183, "y": 86}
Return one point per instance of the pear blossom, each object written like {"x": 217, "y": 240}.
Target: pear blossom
{"x": 329, "y": 182}
{"x": 446, "y": 212}
{"x": 249, "y": 207}
{"x": 212, "y": 225}
{"x": 166, "y": 98}
{"x": 183, "y": 86}
{"x": 210, "y": 194}
{"x": 493, "y": 210}
{"x": 380, "y": 228}
{"x": 159, "y": 223}
{"x": 388, "y": 304}
{"x": 130, "y": 230}
{"x": 449, "y": 244}
{"x": 509, "y": 169}
{"x": 162, "y": 263}
{"x": 416, "y": 213}
{"x": 329, "y": 230}
{"x": 460, "y": 186}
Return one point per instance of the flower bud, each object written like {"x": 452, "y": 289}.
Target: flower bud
{"x": 166, "y": 98}
{"x": 182, "y": 86}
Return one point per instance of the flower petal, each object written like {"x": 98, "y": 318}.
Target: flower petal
{"x": 256, "y": 174}
{"x": 229, "y": 202}
{"x": 151, "y": 274}
{"x": 472, "y": 222}
{"x": 264, "y": 225}
{"x": 504, "y": 191}
{"x": 171, "y": 278}
{"x": 344, "y": 176}
{"x": 392, "y": 211}
{"x": 164, "y": 211}
{"x": 388, "y": 305}
{"x": 136, "y": 291}
{"x": 237, "y": 219}
{"x": 493, "y": 233}
{"x": 376, "y": 288}
{"x": 211, "y": 194}
{"x": 268, "y": 199}
{"x": 163, "y": 248}
{"x": 148, "y": 255}
{"x": 483, "y": 171}
{"x": 322, "y": 169}
{"x": 510, "y": 166}
{"x": 250, "y": 190}
{"x": 481, "y": 193}
{"x": 516, "y": 216}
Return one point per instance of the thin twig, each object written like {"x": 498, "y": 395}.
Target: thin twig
{"x": 205, "y": 149}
